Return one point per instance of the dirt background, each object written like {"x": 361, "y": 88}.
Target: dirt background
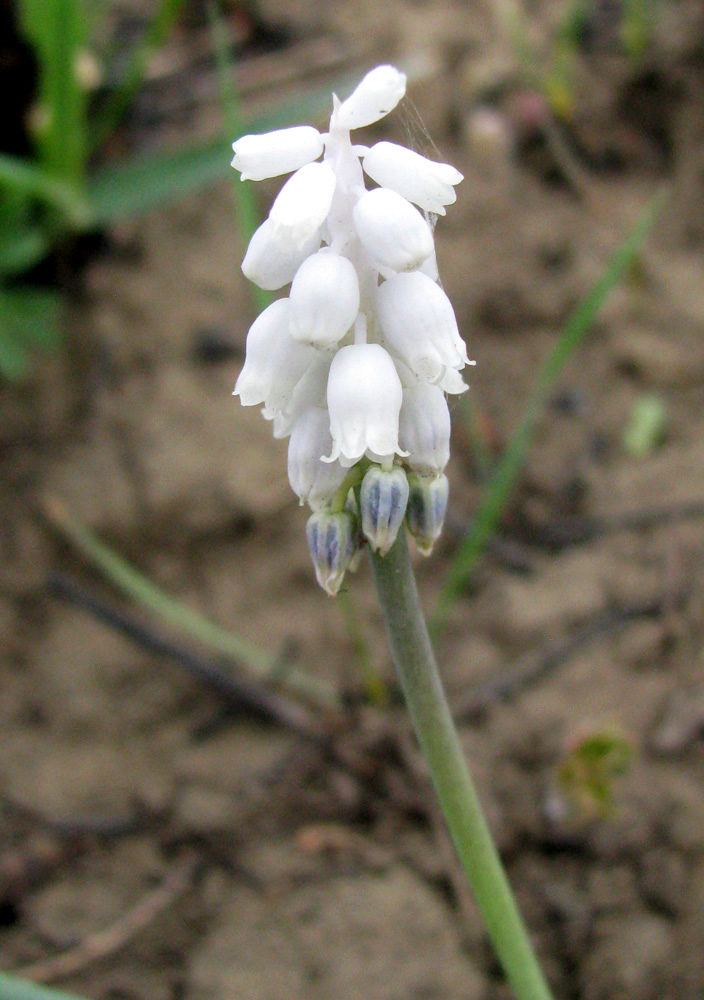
{"x": 227, "y": 856}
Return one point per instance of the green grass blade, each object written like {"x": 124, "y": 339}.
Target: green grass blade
{"x": 13, "y": 988}
{"x": 122, "y": 97}
{"x": 142, "y": 590}
{"x": 502, "y": 482}
{"x": 148, "y": 182}
{"x": 57, "y": 31}
{"x": 23, "y": 177}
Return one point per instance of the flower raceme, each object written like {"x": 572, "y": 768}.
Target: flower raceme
{"x": 355, "y": 363}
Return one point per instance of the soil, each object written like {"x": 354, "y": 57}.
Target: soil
{"x": 225, "y": 855}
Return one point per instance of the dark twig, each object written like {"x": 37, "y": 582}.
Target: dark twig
{"x": 530, "y": 669}
{"x": 242, "y": 694}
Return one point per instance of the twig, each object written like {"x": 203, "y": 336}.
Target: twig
{"x": 106, "y": 942}
{"x": 529, "y": 669}
{"x": 241, "y": 693}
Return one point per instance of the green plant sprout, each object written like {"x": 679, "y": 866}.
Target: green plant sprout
{"x": 589, "y": 769}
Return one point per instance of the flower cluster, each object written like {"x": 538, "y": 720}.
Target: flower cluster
{"x": 355, "y": 363}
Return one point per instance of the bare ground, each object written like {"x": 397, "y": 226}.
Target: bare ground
{"x": 227, "y": 856}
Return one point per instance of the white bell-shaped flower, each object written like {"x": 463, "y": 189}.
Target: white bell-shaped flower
{"x": 424, "y": 428}
{"x": 309, "y": 391}
{"x": 274, "y": 362}
{"x": 392, "y": 231}
{"x": 303, "y": 203}
{"x": 271, "y": 260}
{"x": 373, "y": 98}
{"x": 419, "y": 323}
{"x": 314, "y": 482}
{"x": 364, "y": 400}
{"x": 273, "y": 153}
{"x": 324, "y": 299}
{"x": 424, "y": 182}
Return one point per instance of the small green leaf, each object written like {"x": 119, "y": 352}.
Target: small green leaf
{"x": 588, "y": 771}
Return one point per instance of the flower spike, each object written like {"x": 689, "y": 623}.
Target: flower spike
{"x": 355, "y": 363}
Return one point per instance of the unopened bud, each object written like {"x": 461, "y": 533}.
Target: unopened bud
{"x": 383, "y": 499}
{"x": 332, "y": 540}
{"x": 425, "y": 514}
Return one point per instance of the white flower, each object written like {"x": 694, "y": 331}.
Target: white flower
{"x": 274, "y": 362}
{"x": 377, "y": 94}
{"x": 364, "y": 400}
{"x": 419, "y": 323}
{"x": 278, "y": 152}
{"x": 428, "y": 184}
{"x": 313, "y": 481}
{"x": 424, "y": 428}
{"x": 272, "y": 260}
{"x": 303, "y": 203}
{"x": 324, "y": 299}
{"x": 310, "y": 390}
{"x": 393, "y": 232}
{"x": 355, "y": 363}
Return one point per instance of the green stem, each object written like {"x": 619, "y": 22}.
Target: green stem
{"x": 415, "y": 662}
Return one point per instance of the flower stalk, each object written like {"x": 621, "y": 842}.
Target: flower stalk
{"x": 415, "y": 662}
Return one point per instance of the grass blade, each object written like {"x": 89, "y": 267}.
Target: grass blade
{"x": 20, "y": 176}
{"x": 502, "y": 482}
{"x": 57, "y": 30}
{"x": 137, "y": 586}
{"x": 148, "y": 182}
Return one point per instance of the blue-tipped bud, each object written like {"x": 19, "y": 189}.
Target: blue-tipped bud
{"x": 383, "y": 499}
{"x": 427, "y": 504}
{"x": 333, "y": 541}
